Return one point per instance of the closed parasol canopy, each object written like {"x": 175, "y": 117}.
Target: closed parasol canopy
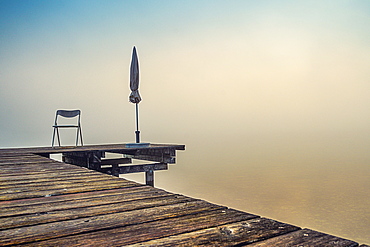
{"x": 134, "y": 78}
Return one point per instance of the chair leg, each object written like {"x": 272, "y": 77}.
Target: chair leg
{"x": 82, "y": 143}
{"x": 77, "y": 137}
{"x": 52, "y": 142}
{"x": 79, "y": 132}
{"x": 58, "y": 136}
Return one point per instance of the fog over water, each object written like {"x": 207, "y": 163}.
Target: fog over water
{"x": 271, "y": 98}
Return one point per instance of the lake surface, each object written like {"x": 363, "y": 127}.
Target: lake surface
{"x": 320, "y": 182}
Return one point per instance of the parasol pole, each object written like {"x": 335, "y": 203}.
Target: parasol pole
{"x": 137, "y": 132}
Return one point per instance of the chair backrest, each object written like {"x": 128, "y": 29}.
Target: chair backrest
{"x": 68, "y": 113}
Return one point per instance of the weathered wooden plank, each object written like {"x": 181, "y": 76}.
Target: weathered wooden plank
{"x": 21, "y": 155}
{"x": 239, "y": 233}
{"x": 60, "y": 171}
{"x": 36, "y": 169}
{"x": 69, "y": 203}
{"x": 61, "y": 191}
{"x": 44, "y": 164}
{"x": 88, "y": 210}
{"x": 39, "y": 173}
{"x": 12, "y": 155}
{"x": 129, "y": 193}
{"x": 4, "y": 155}
{"x": 305, "y": 237}
{"x": 57, "y": 170}
{"x": 30, "y": 165}
{"x": 136, "y": 233}
{"x": 56, "y": 174}
{"x": 45, "y": 173}
{"x": 19, "y": 162}
{"x": 108, "y": 221}
{"x": 45, "y": 180}
{"x": 58, "y": 187}
{"x": 72, "y": 178}
{"x": 55, "y": 185}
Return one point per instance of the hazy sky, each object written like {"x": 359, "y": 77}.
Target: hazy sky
{"x": 209, "y": 69}
{"x": 271, "y": 98}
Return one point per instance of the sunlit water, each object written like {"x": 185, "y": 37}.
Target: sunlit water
{"x": 323, "y": 186}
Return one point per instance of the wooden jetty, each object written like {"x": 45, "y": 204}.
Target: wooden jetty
{"x": 82, "y": 202}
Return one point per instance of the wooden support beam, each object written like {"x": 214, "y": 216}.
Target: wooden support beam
{"x": 143, "y": 168}
{"x": 116, "y": 161}
{"x": 94, "y": 160}
{"x": 163, "y": 155}
{"x": 157, "y": 152}
{"x": 147, "y": 168}
{"x": 112, "y": 170}
{"x": 91, "y": 159}
{"x": 162, "y": 159}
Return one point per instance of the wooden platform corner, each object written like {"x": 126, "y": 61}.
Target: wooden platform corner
{"x": 44, "y": 202}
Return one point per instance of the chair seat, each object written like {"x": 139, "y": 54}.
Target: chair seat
{"x": 65, "y": 126}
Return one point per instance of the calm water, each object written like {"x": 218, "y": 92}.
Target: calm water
{"x": 322, "y": 183}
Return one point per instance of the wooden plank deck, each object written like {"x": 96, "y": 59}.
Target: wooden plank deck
{"x": 44, "y": 202}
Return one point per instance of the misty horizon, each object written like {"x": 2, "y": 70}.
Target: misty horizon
{"x": 271, "y": 98}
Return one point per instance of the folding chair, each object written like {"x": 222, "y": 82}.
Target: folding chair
{"x": 67, "y": 114}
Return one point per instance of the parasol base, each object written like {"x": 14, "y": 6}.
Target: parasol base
{"x": 138, "y": 145}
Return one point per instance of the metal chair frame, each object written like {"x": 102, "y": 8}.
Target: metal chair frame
{"x": 67, "y": 114}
